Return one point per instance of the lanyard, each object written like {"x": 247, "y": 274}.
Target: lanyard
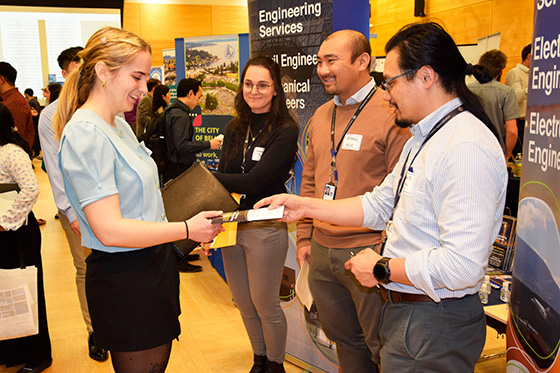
{"x": 334, "y": 172}
{"x": 400, "y": 186}
{"x": 247, "y": 146}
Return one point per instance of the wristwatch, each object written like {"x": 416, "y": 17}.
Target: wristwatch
{"x": 381, "y": 271}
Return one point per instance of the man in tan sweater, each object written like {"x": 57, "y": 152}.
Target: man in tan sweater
{"x": 365, "y": 151}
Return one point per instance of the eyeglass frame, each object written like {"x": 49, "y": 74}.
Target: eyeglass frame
{"x": 247, "y": 84}
{"x": 384, "y": 86}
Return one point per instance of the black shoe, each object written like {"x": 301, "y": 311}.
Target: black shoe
{"x": 260, "y": 364}
{"x": 191, "y": 257}
{"x": 36, "y": 367}
{"x": 188, "y": 267}
{"x": 97, "y": 354}
{"x": 273, "y": 367}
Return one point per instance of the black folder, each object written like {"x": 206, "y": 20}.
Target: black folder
{"x": 193, "y": 191}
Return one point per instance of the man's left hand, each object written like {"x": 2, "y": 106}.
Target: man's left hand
{"x": 362, "y": 267}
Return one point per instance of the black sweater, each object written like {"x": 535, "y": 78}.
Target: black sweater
{"x": 265, "y": 177}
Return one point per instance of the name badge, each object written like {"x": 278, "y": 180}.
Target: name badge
{"x": 408, "y": 186}
{"x": 330, "y": 191}
{"x": 257, "y": 153}
{"x": 352, "y": 142}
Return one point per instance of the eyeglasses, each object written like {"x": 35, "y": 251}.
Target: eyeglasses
{"x": 385, "y": 84}
{"x": 262, "y": 88}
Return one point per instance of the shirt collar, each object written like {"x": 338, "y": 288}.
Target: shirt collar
{"x": 358, "y": 96}
{"x": 523, "y": 67}
{"x": 424, "y": 127}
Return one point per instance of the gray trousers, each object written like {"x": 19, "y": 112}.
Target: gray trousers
{"x": 349, "y": 313}
{"x": 432, "y": 337}
{"x": 79, "y": 254}
{"x": 254, "y": 272}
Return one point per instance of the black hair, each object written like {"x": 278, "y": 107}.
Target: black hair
{"x": 67, "y": 56}
{"x": 8, "y": 132}
{"x": 279, "y": 114}
{"x": 186, "y": 85}
{"x": 151, "y": 83}
{"x": 158, "y": 101}
{"x": 525, "y": 52}
{"x": 428, "y": 44}
{"x": 28, "y": 91}
{"x": 54, "y": 90}
{"x": 8, "y": 72}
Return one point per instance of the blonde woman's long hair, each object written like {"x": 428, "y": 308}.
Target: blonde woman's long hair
{"x": 114, "y": 47}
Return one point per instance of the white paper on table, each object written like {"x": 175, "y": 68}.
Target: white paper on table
{"x": 7, "y": 200}
{"x": 302, "y": 286}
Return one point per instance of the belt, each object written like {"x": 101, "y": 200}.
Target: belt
{"x": 397, "y": 297}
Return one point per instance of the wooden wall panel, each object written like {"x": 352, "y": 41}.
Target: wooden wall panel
{"x": 160, "y": 24}
{"x": 517, "y": 31}
{"x": 465, "y": 20}
{"x": 229, "y": 20}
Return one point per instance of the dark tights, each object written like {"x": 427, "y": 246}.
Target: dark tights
{"x": 153, "y": 360}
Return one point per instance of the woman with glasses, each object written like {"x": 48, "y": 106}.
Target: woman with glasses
{"x": 258, "y": 153}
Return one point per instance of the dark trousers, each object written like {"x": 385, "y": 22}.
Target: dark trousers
{"x": 349, "y": 312}
{"x": 432, "y": 337}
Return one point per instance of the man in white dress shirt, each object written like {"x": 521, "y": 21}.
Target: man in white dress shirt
{"x": 442, "y": 207}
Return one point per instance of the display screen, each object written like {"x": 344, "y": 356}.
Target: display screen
{"x": 31, "y": 38}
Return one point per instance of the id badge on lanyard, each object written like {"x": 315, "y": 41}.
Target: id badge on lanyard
{"x": 330, "y": 191}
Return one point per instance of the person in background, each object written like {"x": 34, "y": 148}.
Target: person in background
{"x": 143, "y": 111}
{"x": 259, "y": 148}
{"x": 18, "y": 227}
{"x": 365, "y": 153}
{"x": 161, "y": 99}
{"x": 16, "y": 103}
{"x": 442, "y": 207}
{"x": 52, "y": 91}
{"x": 68, "y": 61}
{"x": 181, "y": 149}
{"x": 130, "y": 116}
{"x": 35, "y": 111}
{"x": 132, "y": 281}
{"x": 518, "y": 79}
{"x": 498, "y": 100}
{"x": 179, "y": 130}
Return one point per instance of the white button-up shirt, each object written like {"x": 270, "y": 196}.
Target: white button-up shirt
{"x": 450, "y": 211}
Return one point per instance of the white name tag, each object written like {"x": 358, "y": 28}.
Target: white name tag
{"x": 409, "y": 183}
{"x": 257, "y": 153}
{"x": 352, "y": 142}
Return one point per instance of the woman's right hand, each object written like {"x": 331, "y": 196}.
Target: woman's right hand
{"x": 201, "y": 228}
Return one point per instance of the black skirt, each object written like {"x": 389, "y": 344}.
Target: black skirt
{"x": 133, "y": 298}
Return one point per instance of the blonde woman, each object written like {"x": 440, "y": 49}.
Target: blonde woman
{"x": 132, "y": 281}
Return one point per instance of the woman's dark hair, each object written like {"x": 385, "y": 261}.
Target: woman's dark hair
{"x": 158, "y": 101}
{"x": 54, "y": 89}
{"x": 428, "y": 44}
{"x": 278, "y": 115}
{"x": 8, "y": 133}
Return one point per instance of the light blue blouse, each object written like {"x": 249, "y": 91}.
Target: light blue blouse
{"x": 97, "y": 161}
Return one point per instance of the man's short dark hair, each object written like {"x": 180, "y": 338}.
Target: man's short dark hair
{"x": 525, "y": 52}
{"x": 186, "y": 85}
{"x": 8, "y": 72}
{"x": 28, "y": 91}
{"x": 494, "y": 61}
{"x": 151, "y": 83}
{"x": 359, "y": 44}
{"x": 67, "y": 56}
